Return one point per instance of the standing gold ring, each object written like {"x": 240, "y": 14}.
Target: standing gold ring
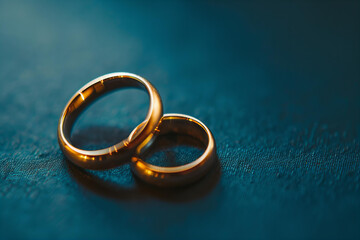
{"x": 180, "y": 175}
{"x": 121, "y": 152}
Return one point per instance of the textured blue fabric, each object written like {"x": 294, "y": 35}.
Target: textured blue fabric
{"x": 278, "y": 84}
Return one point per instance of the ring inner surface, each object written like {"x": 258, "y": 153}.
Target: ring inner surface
{"x": 173, "y": 149}
{"x": 88, "y": 95}
{"x": 182, "y": 131}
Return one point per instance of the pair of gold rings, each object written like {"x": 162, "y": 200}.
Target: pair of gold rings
{"x": 132, "y": 149}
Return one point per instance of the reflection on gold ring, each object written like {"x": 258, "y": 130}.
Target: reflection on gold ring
{"x": 180, "y": 175}
{"x": 121, "y": 152}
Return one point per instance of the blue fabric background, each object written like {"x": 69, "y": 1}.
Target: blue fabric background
{"x": 277, "y": 82}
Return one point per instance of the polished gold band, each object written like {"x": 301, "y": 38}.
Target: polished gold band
{"x": 180, "y": 175}
{"x": 121, "y": 152}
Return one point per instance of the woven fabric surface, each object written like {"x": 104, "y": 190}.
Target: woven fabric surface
{"x": 278, "y": 84}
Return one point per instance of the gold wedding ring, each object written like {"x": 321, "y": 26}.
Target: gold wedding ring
{"x": 180, "y": 175}
{"x": 137, "y": 144}
{"x": 123, "y": 151}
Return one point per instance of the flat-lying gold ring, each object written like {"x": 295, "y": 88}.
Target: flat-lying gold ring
{"x": 180, "y": 175}
{"x": 121, "y": 152}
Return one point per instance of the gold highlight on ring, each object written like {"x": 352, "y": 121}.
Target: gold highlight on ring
{"x": 122, "y": 152}
{"x": 181, "y": 175}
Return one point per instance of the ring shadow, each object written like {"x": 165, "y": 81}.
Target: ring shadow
{"x": 140, "y": 190}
